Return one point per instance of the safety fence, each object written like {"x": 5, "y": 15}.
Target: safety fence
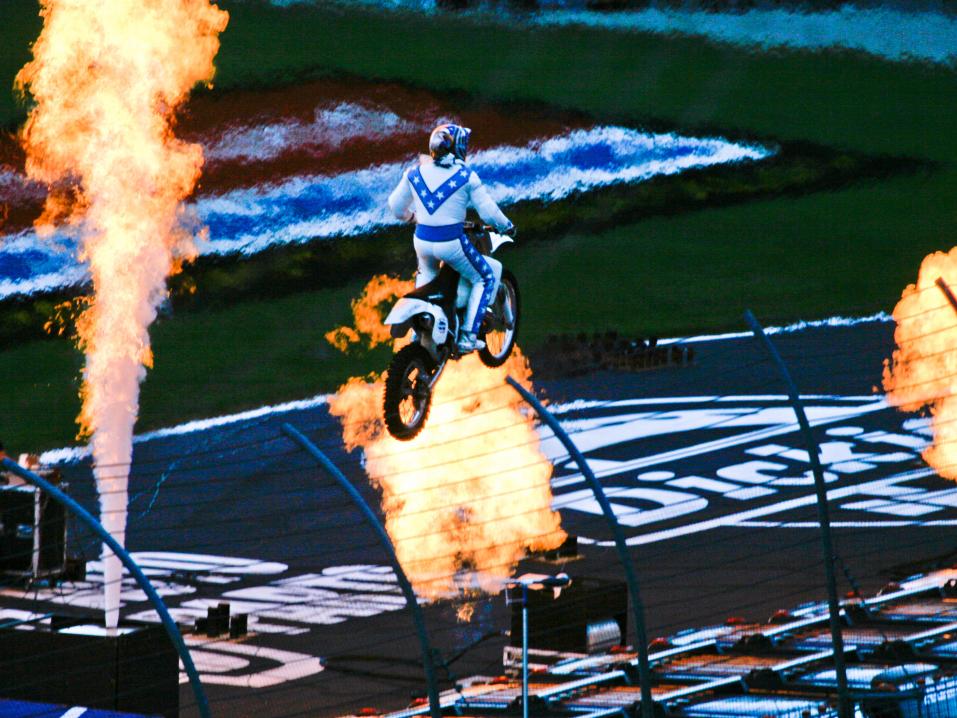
{"x": 290, "y": 603}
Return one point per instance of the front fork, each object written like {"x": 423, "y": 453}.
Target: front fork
{"x": 507, "y": 316}
{"x": 443, "y": 362}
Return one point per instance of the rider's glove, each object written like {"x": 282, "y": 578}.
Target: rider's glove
{"x": 510, "y": 231}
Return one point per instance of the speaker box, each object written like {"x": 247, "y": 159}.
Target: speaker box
{"x": 32, "y": 532}
{"x": 134, "y": 668}
{"x": 587, "y": 616}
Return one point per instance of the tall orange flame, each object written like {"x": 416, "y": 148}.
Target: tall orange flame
{"x": 924, "y": 365}
{"x": 367, "y": 314}
{"x": 470, "y": 494}
{"x": 107, "y": 78}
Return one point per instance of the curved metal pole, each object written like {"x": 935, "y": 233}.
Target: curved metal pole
{"x": 168, "y": 623}
{"x": 845, "y": 708}
{"x": 435, "y": 708}
{"x": 631, "y": 577}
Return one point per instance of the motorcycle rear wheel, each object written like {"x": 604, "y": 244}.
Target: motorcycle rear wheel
{"x": 408, "y": 396}
{"x": 500, "y": 328}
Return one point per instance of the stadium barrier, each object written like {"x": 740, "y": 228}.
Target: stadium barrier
{"x": 628, "y": 567}
{"x": 379, "y": 530}
{"x": 834, "y": 610}
{"x": 197, "y": 499}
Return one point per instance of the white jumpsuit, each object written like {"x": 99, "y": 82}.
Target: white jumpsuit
{"x": 437, "y": 196}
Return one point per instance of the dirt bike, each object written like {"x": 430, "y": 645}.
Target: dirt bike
{"x": 434, "y": 313}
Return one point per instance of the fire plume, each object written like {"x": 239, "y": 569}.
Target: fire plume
{"x": 923, "y": 368}
{"x": 470, "y": 494}
{"x": 366, "y": 313}
{"x": 106, "y": 78}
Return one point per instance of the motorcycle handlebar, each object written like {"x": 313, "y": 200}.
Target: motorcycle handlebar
{"x": 473, "y": 226}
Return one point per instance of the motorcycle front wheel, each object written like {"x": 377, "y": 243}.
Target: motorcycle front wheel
{"x": 500, "y": 328}
{"x": 408, "y": 395}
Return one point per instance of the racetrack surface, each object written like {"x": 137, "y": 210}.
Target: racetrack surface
{"x": 704, "y": 464}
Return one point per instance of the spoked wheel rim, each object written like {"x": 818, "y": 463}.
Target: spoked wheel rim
{"x": 502, "y": 327}
{"x": 408, "y": 391}
{"x": 414, "y": 394}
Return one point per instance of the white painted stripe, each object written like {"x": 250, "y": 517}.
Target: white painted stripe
{"x": 355, "y": 201}
{"x": 329, "y": 127}
{"x": 716, "y": 445}
{"x": 71, "y": 454}
{"x": 734, "y": 520}
{"x": 837, "y": 321}
{"x": 895, "y": 34}
{"x": 884, "y": 32}
{"x": 75, "y": 712}
{"x": 844, "y": 524}
{"x": 292, "y": 666}
{"x": 77, "y": 453}
{"x": 304, "y": 208}
{"x": 581, "y": 404}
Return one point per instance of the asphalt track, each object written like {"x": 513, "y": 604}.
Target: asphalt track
{"x": 703, "y": 462}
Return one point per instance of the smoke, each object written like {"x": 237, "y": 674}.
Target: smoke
{"x": 106, "y": 78}
{"x": 922, "y": 370}
{"x": 470, "y": 494}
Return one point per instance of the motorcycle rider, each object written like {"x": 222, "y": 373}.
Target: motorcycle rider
{"x": 437, "y": 194}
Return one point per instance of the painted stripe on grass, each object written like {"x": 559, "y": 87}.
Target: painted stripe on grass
{"x": 884, "y": 32}
{"x": 247, "y": 221}
{"x": 891, "y": 33}
{"x": 327, "y": 130}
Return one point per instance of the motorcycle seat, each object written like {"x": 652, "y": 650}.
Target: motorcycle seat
{"x": 440, "y": 290}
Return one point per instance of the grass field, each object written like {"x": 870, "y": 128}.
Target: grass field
{"x": 849, "y": 250}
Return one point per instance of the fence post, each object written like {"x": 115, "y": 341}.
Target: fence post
{"x": 71, "y": 505}
{"x": 435, "y": 707}
{"x": 845, "y": 708}
{"x": 631, "y": 576}
{"x": 942, "y": 285}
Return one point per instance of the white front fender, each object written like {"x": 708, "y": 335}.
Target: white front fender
{"x": 497, "y": 240}
{"x": 400, "y": 318}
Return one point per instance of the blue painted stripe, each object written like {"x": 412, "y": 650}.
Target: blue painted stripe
{"x": 301, "y": 209}
{"x": 25, "y": 709}
{"x": 442, "y": 233}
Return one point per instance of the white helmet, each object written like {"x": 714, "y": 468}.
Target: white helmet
{"x": 449, "y": 139}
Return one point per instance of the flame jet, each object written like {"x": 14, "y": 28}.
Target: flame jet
{"x": 922, "y": 370}
{"x": 466, "y": 498}
{"x": 106, "y": 78}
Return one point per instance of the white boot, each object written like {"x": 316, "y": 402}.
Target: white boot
{"x": 468, "y": 342}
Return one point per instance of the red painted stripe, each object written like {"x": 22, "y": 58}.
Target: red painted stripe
{"x": 214, "y": 119}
